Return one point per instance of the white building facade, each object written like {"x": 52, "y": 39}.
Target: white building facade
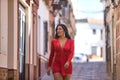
{"x": 90, "y": 38}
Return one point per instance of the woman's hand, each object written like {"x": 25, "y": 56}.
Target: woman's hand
{"x": 66, "y": 65}
{"x": 48, "y": 71}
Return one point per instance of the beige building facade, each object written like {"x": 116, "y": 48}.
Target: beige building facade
{"x": 112, "y": 25}
{"x": 18, "y": 41}
{"x": 8, "y": 39}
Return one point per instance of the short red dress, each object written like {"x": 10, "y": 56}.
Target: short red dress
{"x": 59, "y": 56}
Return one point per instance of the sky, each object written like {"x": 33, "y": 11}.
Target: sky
{"x": 88, "y": 9}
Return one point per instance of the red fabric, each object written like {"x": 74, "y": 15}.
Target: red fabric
{"x": 62, "y": 55}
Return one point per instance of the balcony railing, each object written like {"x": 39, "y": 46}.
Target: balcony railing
{"x": 57, "y": 4}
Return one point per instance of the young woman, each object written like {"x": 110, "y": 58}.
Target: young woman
{"x": 62, "y": 49}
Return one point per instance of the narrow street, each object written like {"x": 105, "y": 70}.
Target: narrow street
{"x": 28, "y": 29}
{"x": 87, "y": 71}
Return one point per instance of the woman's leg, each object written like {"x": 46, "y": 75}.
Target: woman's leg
{"x": 57, "y": 76}
{"x": 67, "y": 77}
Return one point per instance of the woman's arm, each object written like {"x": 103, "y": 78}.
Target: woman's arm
{"x": 70, "y": 55}
{"x": 71, "y": 51}
{"x": 51, "y": 54}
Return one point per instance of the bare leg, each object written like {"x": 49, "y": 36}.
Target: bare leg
{"x": 57, "y": 76}
{"x": 67, "y": 77}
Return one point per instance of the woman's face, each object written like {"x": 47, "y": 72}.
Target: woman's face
{"x": 60, "y": 31}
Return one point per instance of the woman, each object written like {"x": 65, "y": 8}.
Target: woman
{"x": 62, "y": 49}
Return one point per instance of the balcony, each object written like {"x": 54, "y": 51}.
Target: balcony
{"x": 56, "y": 4}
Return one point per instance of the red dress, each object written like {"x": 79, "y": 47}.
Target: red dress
{"x": 59, "y": 56}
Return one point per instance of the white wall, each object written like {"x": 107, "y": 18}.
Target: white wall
{"x": 81, "y": 38}
{"x": 44, "y": 16}
{"x": 85, "y": 39}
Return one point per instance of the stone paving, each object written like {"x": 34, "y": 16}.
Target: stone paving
{"x": 86, "y": 71}
{"x": 46, "y": 77}
{"x": 90, "y": 71}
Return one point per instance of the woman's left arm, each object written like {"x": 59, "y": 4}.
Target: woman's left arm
{"x": 71, "y": 51}
{"x": 70, "y": 54}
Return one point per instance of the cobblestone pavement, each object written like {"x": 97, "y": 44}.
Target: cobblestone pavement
{"x": 86, "y": 71}
{"x": 46, "y": 77}
{"x": 90, "y": 71}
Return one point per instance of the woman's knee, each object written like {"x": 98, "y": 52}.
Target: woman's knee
{"x": 58, "y": 76}
{"x": 67, "y": 77}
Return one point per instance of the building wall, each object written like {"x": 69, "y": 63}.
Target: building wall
{"x": 44, "y": 16}
{"x": 9, "y": 23}
{"x": 4, "y": 22}
{"x": 112, "y": 22}
{"x": 72, "y": 20}
{"x": 43, "y": 13}
{"x": 10, "y": 37}
{"x": 117, "y": 41}
{"x": 108, "y": 35}
{"x": 3, "y": 33}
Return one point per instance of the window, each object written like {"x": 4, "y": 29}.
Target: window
{"x": 94, "y": 49}
{"x": 94, "y": 31}
{"x": 22, "y": 29}
{"x": 46, "y": 37}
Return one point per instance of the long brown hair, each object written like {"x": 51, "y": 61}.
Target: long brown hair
{"x": 65, "y": 30}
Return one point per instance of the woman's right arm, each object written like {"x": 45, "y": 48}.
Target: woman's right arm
{"x": 51, "y": 54}
{"x": 50, "y": 58}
